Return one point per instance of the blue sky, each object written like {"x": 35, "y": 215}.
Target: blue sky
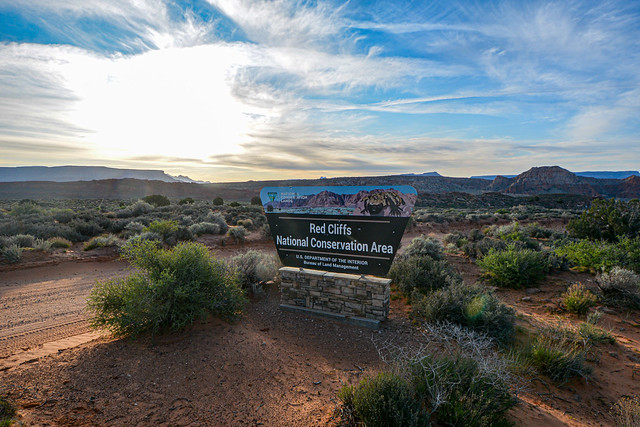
{"x": 226, "y": 90}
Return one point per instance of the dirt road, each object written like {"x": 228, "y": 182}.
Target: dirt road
{"x": 44, "y": 304}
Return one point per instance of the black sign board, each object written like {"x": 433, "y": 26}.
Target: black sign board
{"x": 353, "y": 230}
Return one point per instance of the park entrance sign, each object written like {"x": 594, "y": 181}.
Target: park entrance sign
{"x": 344, "y": 229}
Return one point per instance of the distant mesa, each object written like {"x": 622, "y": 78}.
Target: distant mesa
{"x": 588, "y": 174}
{"x": 84, "y": 173}
{"x": 422, "y": 174}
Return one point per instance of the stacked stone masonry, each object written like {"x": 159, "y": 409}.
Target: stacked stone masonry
{"x": 345, "y": 294}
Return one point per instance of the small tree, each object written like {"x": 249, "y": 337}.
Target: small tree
{"x": 218, "y": 201}
{"x": 256, "y": 201}
{"x": 157, "y": 200}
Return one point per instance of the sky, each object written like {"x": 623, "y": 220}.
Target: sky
{"x": 236, "y": 90}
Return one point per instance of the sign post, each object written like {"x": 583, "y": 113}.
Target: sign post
{"x": 345, "y": 232}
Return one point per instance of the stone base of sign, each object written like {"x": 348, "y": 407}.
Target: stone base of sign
{"x": 362, "y": 300}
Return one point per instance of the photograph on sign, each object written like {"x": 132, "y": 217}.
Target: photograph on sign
{"x": 347, "y": 229}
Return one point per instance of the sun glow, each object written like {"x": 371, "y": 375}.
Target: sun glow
{"x": 171, "y": 103}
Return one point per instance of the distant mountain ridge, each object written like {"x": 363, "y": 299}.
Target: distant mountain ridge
{"x": 587, "y": 174}
{"x": 536, "y": 181}
{"x": 84, "y": 173}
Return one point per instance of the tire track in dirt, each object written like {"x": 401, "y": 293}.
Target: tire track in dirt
{"x": 44, "y": 304}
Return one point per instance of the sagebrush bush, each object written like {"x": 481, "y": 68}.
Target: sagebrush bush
{"x": 166, "y": 229}
{"x": 480, "y": 248}
{"x": 171, "y": 289}
{"x": 217, "y": 218}
{"x": 422, "y": 273}
{"x": 24, "y": 240}
{"x": 578, "y": 299}
{"x": 59, "y": 243}
{"x": 140, "y": 208}
{"x": 106, "y": 241}
{"x": 42, "y": 245}
{"x": 514, "y": 268}
{"x": 238, "y": 233}
{"x": 157, "y": 200}
{"x": 205, "y": 228}
{"x": 385, "y": 400}
{"x": 253, "y": 267}
{"x": 12, "y": 254}
{"x": 471, "y": 306}
{"x": 620, "y": 288}
{"x": 424, "y": 246}
{"x": 626, "y": 412}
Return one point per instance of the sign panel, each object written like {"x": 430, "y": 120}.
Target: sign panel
{"x": 346, "y": 229}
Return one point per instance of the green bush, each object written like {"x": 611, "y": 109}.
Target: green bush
{"x": 577, "y": 299}
{"x": 140, "y": 208}
{"x": 471, "y": 306}
{"x": 626, "y": 411}
{"x": 386, "y": 400}
{"x": 24, "y": 240}
{"x": 514, "y": 268}
{"x": 218, "y": 201}
{"x": 620, "y": 288}
{"x": 559, "y": 360}
{"x": 234, "y": 204}
{"x": 106, "y": 241}
{"x": 167, "y": 229}
{"x": 59, "y": 243}
{"x": 607, "y": 220}
{"x": 472, "y": 397}
{"x": 239, "y": 233}
{"x": 217, "y": 218}
{"x": 253, "y": 267}
{"x": 424, "y": 246}
{"x": 481, "y": 248}
{"x": 422, "y": 273}
{"x": 186, "y": 201}
{"x": 171, "y": 289}
{"x": 255, "y": 200}
{"x": 12, "y": 254}
{"x": 157, "y": 200}
{"x": 204, "y": 228}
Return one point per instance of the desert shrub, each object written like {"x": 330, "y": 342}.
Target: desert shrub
{"x": 255, "y": 200}
{"x": 591, "y": 333}
{"x": 171, "y": 289}
{"x": 476, "y": 399}
{"x": 239, "y": 233}
{"x": 205, "y": 228}
{"x": 5, "y": 241}
{"x": 7, "y": 411}
{"x": 63, "y": 216}
{"x": 608, "y": 220}
{"x": 186, "y": 201}
{"x": 133, "y": 228}
{"x": 59, "y": 242}
{"x": 560, "y": 351}
{"x": 422, "y": 273}
{"x": 385, "y": 400}
{"x": 25, "y": 207}
{"x": 12, "y": 254}
{"x": 471, "y": 306}
{"x": 184, "y": 233}
{"x": 42, "y": 245}
{"x": 578, "y": 299}
{"x": 424, "y": 246}
{"x": 514, "y": 268}
{"x": 537, "y": 232}
{"x": 106, "y": 241}
{"x": 157, "y": 200}
{"x": 265, "y": 231}
{"x": 457, "y": 238}
{"x": 167, "y": 230}
{"x": 217, "y": 218}
{"x": 140, "y": 208}
{"x": 253, "y": 267}
{"x": 234, "y": 204}
{"x": 602, "y": 255}
{"x": 246, "y": 223}
{"x": 24, "y": 240}
{"x": 86, "y": 228}
{"x": 482, "y": 247}
{"x": 218, "y": 201}
{"x": 626, "y": 411}
{"x": 620, "y": 287}
{"x": 147, "y": 235}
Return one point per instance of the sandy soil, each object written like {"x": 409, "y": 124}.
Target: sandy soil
{"x": 269, "y": 368}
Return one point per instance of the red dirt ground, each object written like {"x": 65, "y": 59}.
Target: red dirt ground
{"x": 269, "y": 368}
